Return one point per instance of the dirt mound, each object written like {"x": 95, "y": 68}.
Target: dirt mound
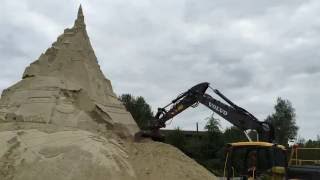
{"x": 32, "y": 154}
{"x": 158, "y": 161}
{"x": 74, "y": 154}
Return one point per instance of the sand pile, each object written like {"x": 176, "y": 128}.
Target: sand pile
{"x": 63, "y": 121}
{"x": 158, "y": 161}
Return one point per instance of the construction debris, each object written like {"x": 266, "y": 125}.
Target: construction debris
{"x": 63, "y": 121}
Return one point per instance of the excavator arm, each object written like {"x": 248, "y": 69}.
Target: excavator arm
{"x": 239, "y": 117}
{"x": 236, "y": 115}
{"x": 181, "y": 103}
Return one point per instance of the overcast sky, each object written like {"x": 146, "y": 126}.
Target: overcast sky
{"x": 252, "y": 51}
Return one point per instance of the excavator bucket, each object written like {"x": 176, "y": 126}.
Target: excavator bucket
{"x": 153, "y": 134}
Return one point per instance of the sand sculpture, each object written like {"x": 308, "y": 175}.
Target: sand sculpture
{"x": 63, "y": 121}
{"x": 63, "y": 84}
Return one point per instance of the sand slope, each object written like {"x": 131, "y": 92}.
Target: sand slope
{"x": 32, "y": 154}
{"x": 66, "y": 155}
{"x": 158, "y": 161}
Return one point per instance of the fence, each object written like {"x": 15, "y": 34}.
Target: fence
{"x": 304, "y": 156}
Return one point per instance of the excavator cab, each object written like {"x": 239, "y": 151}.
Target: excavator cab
{"x": 252, "y": 160}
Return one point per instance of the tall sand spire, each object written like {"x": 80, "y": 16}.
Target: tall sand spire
{"x": 80, "y": 12}
{"x": 66, "y": 83}
{"x": 79, "y": 22}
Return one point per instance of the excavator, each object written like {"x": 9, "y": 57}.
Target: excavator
{"x": 236, "y": 115}
{"x": 239, "y": 156}
{"x": 247, "y": 160}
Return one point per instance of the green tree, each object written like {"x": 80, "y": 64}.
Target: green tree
{"x": 233, "y": 134}
{"x": 212, "y": 144}
{"x": 301, "y": 141}
{"x": 214, "y": 138}
{"x": 213, "y": 125}
{"x": 139, "y": 109}
{"x": 312, "y": 144}
{"x": 177, "y": 139}
{"x": 284, "y": 121}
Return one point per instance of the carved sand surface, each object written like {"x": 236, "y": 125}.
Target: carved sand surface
{"x": 63, "y": 121}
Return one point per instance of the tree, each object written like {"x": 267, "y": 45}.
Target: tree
{"x": 233, "y": 134}
{"x": 312, "y": 144}
{"x": 284, "y": 121}
{"x": 177, "y": 139}
{"x": 212, "y": 144}
{"x": 139, "y": 109}
{"x": 214, "y": 135}
{"x": 213, "y": 125}
{"x": 213, "y": 141}
{"x": 301, "y": 141}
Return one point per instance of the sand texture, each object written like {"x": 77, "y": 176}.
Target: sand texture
{"x": 158, "y": 161}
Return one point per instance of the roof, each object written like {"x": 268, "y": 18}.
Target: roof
{"x": 190, "y": 132}
{"x": 256, "y": 143}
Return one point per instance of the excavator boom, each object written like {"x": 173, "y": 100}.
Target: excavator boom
{"x": 236, "y": 115}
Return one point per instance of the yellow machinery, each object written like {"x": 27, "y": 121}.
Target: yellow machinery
{"x": 252, "y": 160}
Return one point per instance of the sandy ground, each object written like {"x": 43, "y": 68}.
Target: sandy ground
{"x": 31, "y": 154}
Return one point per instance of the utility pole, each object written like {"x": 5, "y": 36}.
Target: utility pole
{"x": 197, "y": 127}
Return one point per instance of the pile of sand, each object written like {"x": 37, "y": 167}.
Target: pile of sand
{"x": 158, "y": 161}
{"x": 63, "y": 121}
{"x": 32, "y": 154}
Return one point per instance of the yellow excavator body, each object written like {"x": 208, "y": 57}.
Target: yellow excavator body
{"x": 255, "y": 159}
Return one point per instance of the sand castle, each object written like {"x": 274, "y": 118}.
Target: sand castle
{"x": 63, "y": 121}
